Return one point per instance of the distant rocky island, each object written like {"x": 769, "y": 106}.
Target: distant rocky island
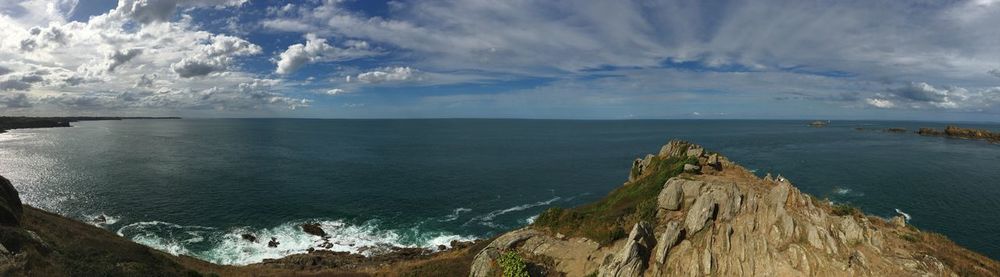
{"x": 20, "y": 122}
{"x": 684, "y": 211}
{"x": 965, "y": 133}
{"x": 949, "y": 131}
{"x": 819, "y": 123}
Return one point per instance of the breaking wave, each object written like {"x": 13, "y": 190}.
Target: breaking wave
{"x": 228, "y": 246}
{"x": 905, "y": 215}
{"x": 487, "y": 219}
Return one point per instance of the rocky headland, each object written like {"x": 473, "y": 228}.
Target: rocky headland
{"x": 688, "y": 212}
{"x": 684, "y": 211}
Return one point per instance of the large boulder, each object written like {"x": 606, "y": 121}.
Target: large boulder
{"x": 10, "y": 204}
{"x": 671, "y": 196}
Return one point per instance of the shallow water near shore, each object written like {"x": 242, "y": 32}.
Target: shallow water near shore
{"x": 194, "y": 186}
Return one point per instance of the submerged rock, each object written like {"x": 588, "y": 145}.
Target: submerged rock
{"x": 313, "y": 229}
{"x": 273, "y": 243}
{"x": 249, "y": 237}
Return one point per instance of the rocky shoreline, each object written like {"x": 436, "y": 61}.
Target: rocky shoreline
{"x": 682, "y": 211}
{"x": 20, "y": 122}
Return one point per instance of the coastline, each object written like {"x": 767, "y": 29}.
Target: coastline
{"x": 397, "y": 260}
{"x": 23, "y": 122}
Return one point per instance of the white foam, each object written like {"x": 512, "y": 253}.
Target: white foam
{"x": 496, "y": 213}
{"x": 108, "y": 219}
{"x": 229, "y": 247}
{"x": 530, "y": 220}
{"x": 905, "y": 215}
{"x": 841, "y": 191}
{"x": 455, "y": 214}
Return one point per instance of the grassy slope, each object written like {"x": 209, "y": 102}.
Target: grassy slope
{"x": 607, "y": 219}
{"x": 73, "y": 248}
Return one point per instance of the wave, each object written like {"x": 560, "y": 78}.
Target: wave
{"x": 102, "y": 219}
{"x": 841, "y": 191}
{"x": 228, "y": 246}
{"x": 531, "y": 219}
{"x": 487, "y": 219}
{"x": 455, "y": 214}
{"x": 905, "y": 215}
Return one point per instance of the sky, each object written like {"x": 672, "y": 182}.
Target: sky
{"x": 578, "y": 59}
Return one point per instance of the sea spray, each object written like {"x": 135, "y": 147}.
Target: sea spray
{"x": 229, "y": 247}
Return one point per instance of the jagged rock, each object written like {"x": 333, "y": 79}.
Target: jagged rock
{"x": 695, "y": 151}
{"x": 673, "y": 149}
{"x": 313, "y": 229}
{"x": 700, "y": 213}
{"x": 691, "y": 167}
{"x": 639, "y": 167}
{"x": 667, "y": 240}
{"x": 898, "y": 221}
{"x": 706, "y": 262}
{"x": 631, "y": 259}
{"x": 852, "y": 231}
{"x": 273, "y": 243}
{"x": 671, "y": 196}
{"x": 10, "y": 204}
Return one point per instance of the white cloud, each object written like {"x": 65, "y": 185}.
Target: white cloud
{"x": 66, "y": 66}
{"x": 388, "y": 74}
{"x": 880, "y": 103}
{"x": 149, "y": 11}
{"x": 335, "y": 91}
{"x": 317, "y": 50}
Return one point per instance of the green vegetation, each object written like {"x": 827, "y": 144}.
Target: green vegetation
{"x": 909, "y": 237}
{"x": 512, "y": 264}
{"x": 607, "y": 220}
{"x": 845, "y": 209}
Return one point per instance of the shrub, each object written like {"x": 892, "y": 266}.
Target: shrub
{"x": 512, "y": 264}
{"x": 845, "y": 209}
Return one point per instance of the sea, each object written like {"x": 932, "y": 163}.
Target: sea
{"x": 194, "y": 186}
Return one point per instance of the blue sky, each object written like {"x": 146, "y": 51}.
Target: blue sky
{"x": 907, "y": 60}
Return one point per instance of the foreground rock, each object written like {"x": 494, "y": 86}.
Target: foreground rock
{"x": 722, "y": 220}
{"x": 10, "y": 204}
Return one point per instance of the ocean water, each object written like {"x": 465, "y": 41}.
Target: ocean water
{"x": 193, "y": 186}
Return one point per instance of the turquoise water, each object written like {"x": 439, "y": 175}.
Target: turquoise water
{"x": 193, "y": 186}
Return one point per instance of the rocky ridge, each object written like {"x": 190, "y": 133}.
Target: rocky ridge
{"x": 717, "y": 218}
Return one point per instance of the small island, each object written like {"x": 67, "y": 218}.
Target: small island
{"x": 819, "y": 123}
{"x": 959, "y": 132}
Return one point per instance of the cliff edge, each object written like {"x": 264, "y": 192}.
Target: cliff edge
{"x": 690, "y": 212}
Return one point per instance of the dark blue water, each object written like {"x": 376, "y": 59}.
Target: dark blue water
{"x": 193, "y": 186}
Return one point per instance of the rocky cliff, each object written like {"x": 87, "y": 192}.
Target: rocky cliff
{"x": 689, "y": 212}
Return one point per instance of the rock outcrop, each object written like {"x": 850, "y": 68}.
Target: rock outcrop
{"x": 10, "y": 204}
{"x": 722, "y": 220}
